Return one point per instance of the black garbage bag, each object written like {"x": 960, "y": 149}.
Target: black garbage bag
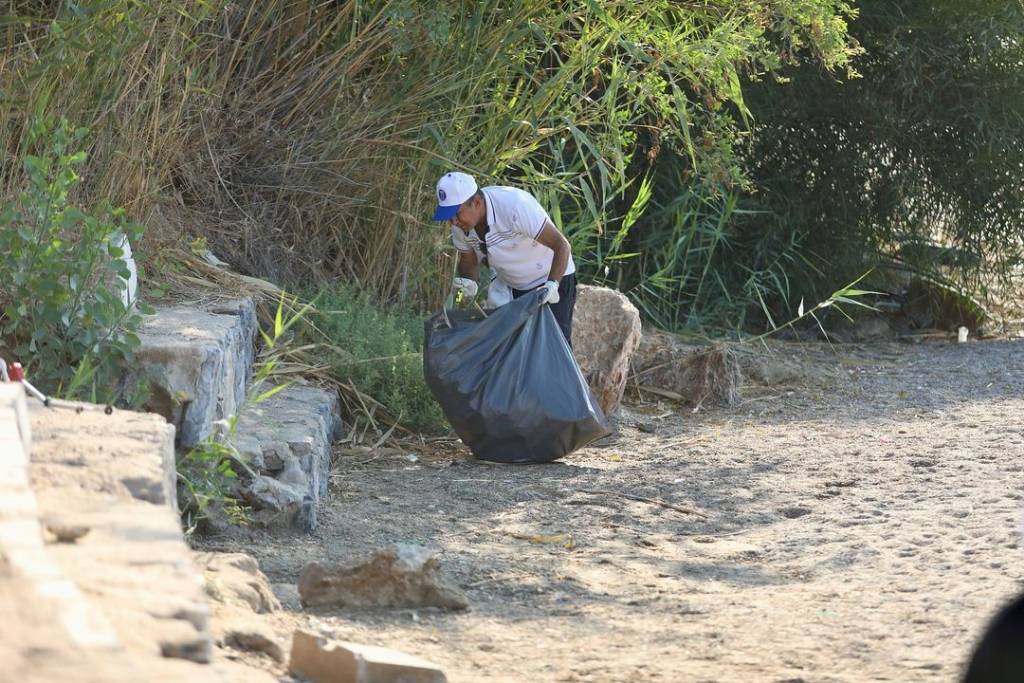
{"x": 509, "y": 384}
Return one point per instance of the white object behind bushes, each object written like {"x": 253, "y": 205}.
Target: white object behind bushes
{"x": 130, "y": 291}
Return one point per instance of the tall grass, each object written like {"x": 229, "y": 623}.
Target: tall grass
{"x": 303, "y": 138}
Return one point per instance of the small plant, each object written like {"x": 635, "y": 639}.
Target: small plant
{"x": 846, "y": 295}
{"x": 208, "y": 474}
{"x": 208, "y": 481}
{"x": 62, "y": 276}
{"x": 378, "y": 350}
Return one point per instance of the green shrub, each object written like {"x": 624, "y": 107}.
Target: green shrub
{"x": 914, "y": 168}
{"x": 379, "y": 350}
{"x": 61, "y": 276}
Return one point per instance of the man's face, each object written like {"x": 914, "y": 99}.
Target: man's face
{"x": 470, "y": 215}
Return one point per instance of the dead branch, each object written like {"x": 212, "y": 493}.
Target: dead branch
{"x": 642, "y": 499}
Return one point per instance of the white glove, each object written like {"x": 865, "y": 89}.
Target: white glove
{"x": 498, "y": 294}
{"x": 551, "y": 287}
{"x": 466, "y": 286}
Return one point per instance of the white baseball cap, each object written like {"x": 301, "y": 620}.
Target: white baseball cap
{"x": 452, "y": 190}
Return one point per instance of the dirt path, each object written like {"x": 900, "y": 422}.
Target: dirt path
{"x": 862, "y": 530}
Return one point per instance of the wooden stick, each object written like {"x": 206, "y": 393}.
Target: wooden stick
{"x": 641, "y": 499}
{"x": 665, "y": 393}
{"x": 384, "y": 438}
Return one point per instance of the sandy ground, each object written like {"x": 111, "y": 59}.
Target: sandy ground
{"x": 860, "y": 528}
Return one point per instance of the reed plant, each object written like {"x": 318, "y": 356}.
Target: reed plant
{"x": 302, "y": 139}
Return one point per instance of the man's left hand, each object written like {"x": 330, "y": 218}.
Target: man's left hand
{"x": 551, "y": 289}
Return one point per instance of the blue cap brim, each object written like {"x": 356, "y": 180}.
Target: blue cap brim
{"x": 445, "y": 213}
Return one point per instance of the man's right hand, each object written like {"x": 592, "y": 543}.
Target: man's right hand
{"x": 466, "y": 286}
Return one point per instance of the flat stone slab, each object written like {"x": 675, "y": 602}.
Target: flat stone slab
{"x": 322, "y": 660}
{"x": 286, "y": 441}
{"x": 198, "y": 364}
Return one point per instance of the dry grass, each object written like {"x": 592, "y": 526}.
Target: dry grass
{"x": 713, "y": 376}
{"x": 272, "y": 129}
{"x": 695, "y": 375}
{"x": 302, "y": 139}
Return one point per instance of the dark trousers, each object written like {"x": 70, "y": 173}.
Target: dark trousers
{"x": 563, "y": 309}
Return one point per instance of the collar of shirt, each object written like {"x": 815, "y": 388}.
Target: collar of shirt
{"x": 488, "y": 213}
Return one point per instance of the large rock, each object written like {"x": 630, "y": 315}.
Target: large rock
{"x": 285, "y": 441}
{"x": 401, "y": 576}
{"x": 198, "y": 364}
{"x": 864, "y": 329}
{"x": 771, "y": 369}
{"x": 242, "y": 599}
{"x": 321, "y": 660}
{"x": 660, "y": 361}
{"x": 667, "y": 363}
{"x": 236, "y": 579}
{"x": 606, "y": 332}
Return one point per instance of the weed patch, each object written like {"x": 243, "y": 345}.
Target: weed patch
{"x": 378, "y": 349}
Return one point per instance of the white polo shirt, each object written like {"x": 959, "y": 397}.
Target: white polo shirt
{"x": 514, "y": 219}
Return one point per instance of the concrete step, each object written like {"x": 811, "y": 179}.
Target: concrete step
{"x": 198, "y": 364}
{"x": 286, "y": 441}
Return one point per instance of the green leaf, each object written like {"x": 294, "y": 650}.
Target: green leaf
{"x": 849, "y": 292}
{"x": 278, "y": 319}
{"x": 271, "y": 392}
{"x": 846, "y": 300}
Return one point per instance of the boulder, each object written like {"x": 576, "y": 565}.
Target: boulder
{"x": 322, "y": 660}
{"x": 606, "y": 332}
{"x": 666, "y": 362}
{"x": 401, "y": 576}
{"x": 864, "y": 329}
{"x": 658, "y": 360}
{"x": 771, "y": 369}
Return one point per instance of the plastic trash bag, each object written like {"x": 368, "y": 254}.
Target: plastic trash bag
{"x": 509, "y": 384}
